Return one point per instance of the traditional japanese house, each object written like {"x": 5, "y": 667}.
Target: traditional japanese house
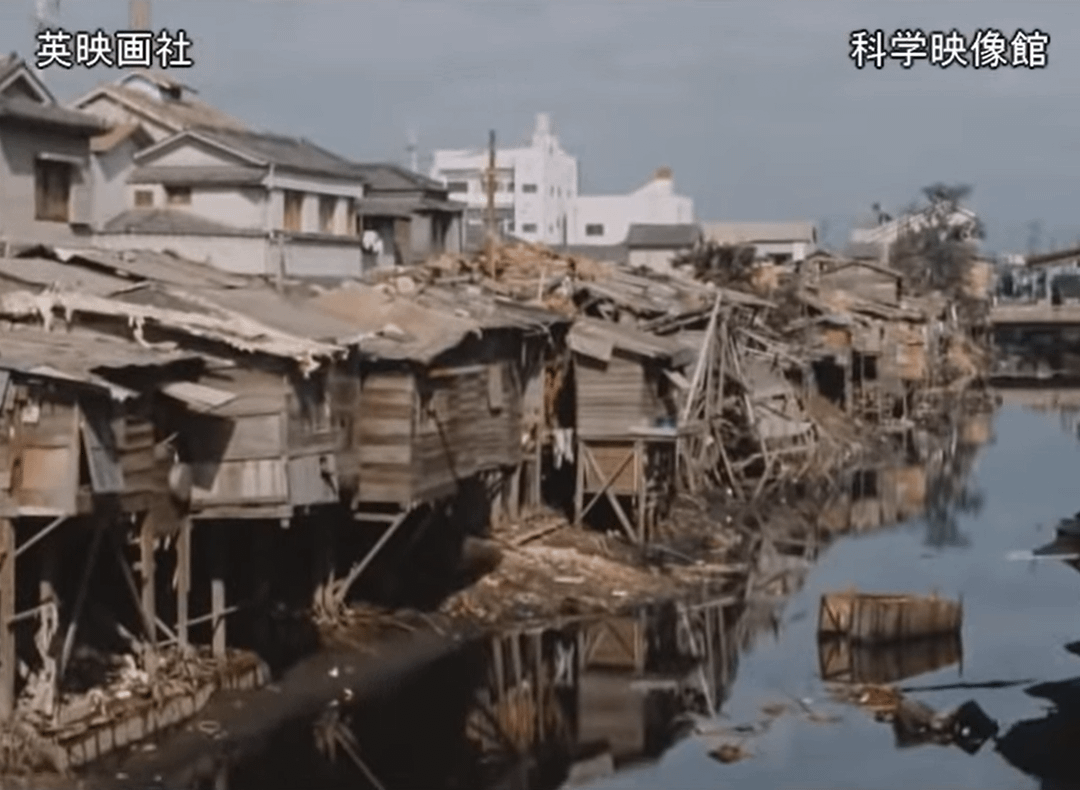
{"x": 626, "y": 385}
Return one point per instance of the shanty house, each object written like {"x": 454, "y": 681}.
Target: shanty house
{"x": 407, "y": 217}
{"x": 73, "y": 437}
{"x": 626, "y": 384}
{"x": 782, "y": 242}
{"x": 655, "y": 246}
{"x": 45, "y": 172}
{"x": 864, "y": 279}
{"x": 245, "y": 202}
{"x": 254, "y": 425}
{"x": 440, "y": 393}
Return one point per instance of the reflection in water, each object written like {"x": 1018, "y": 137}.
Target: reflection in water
{"x": 562, "y": 706}
{"x": 524, "y": 710}
{"x": 842, "y": 661}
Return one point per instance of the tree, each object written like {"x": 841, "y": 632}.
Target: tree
{"x": 936, "y": 247}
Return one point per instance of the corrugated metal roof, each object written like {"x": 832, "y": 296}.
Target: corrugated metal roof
{"x": 145, "y": 265}
{"x": 598, "y": 339}
{"x": 662, "y": 236}
{"x": 170, "y": 222}
{"x": 759, "y": 232}
{"x": 77, "y": 355}
{"x": 296, "y": 317}
{"x": 43, "y": 272}
{"x": 397, "y": 329}
{"x": 187, "y": 176}
{"x": 26, "y": 110}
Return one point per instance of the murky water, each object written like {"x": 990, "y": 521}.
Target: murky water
{"x": 536, "y": 710}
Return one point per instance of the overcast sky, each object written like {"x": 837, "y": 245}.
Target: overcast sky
{"x": 756, "y": 105}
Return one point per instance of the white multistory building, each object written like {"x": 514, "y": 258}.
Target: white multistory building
{"x": 536, "y": 194}
{"x": 535, "y": 185}
{"x": 606, "y": 219}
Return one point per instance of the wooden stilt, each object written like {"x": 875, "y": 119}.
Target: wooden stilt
{"x": 579, "y": 485}
{"x": 148, "y": 593}
{"x": 514, "y": 493}
{"x": 641, "y": 484}
{"x": 46, "y": 637}
{"x": 218, "y": 561}
{"x": 7, "y": 612}
{"x": 183, "y": 582}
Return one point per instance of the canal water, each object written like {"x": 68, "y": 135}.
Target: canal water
{"x": 527, "y": 710}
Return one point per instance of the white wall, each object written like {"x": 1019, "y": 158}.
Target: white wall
{"x": 655, "y": 203}
{"x": 255, "y": 255}
{"x": 543, "y": 164}
{"x": 20, "y": 146}
{"x": 657, "y": 260}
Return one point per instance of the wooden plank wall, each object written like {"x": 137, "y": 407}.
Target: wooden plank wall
{"x": 613, "y": 398}
{"x": 45, "y": 452}
{"x": 383, "y": 436}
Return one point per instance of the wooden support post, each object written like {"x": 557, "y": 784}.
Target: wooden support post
{"x": 515, "y": 658}
{"x": 642, "y": 487}
{"x": 49, "y": 607}
{"x": 538, "y": 470}
{"x": 579, "y": 485}
{"x": 218, "y": 562}
{"x": 542, "y": 680}
{"x": 514, "y": 493}
{"x": 148, "y": 593}
{"x": 7, "y": 612}
{"x": 183, "y": 583}
{"x": 497, "y": 666}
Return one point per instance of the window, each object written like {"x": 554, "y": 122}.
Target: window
{"x": 294, "y": 205}
{"x": 528, "y": 227}
{"x": 327, "y": 207}
{"x": 52, "y": 191}
{"x": 528, "y": 189}
{"x": 594, "y": 229}
{"x": 144, "y": 198}
{"x": 178, "y": 196}
{"x": 457, "y": 186}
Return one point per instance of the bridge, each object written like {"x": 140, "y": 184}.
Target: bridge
{"x": 1037, "y": 315}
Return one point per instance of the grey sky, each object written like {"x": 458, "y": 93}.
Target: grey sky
{"x": 755, "y": 105}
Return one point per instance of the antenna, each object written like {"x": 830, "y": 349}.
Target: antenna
{"x": 412, "y": 147}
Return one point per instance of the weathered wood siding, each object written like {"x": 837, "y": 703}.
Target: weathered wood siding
{"x": 40, "y": 465}
{"x": 613, "y": 398}
{"x": 382, "y": 436}
{"x": 864, "y": 282}
{"x": 469, "y": 421}
{"x": 238, "y": 455}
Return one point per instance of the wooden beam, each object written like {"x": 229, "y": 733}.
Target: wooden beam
{"x": 218, "y": 563}
{"x": 342, "y": 589}
{"x": 183, "y": 583}
{"x": 7, "y": 612}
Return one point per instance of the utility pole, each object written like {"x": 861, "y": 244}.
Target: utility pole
{"x": 489, "y": 218}
{"x": 139, "y": 14}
